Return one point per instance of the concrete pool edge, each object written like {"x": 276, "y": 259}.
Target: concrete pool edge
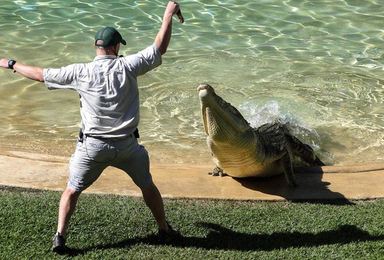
{"x": 351, "y": 182}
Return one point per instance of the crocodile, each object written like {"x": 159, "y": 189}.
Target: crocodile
{"x": 240, "y": 151}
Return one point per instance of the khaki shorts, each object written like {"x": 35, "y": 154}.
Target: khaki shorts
{"x": 93, "y": 155}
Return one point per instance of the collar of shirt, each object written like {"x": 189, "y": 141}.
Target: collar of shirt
{"x": 103, "y": 57}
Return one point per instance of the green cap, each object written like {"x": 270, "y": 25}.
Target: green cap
{"x": 108, "y": 36}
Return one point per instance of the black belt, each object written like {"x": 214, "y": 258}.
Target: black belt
{"x": 110, "y": 138}
{"x": 81, "y": 136}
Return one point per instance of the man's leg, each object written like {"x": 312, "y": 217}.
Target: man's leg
{"x": 134, "y": 160}
{"x": 67, "y": 206}
{"x": 154, "y": 202}
{"x": 91, "y": 157}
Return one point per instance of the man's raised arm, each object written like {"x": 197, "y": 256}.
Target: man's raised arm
{"x": 31, "y": 72}
{"x": 164, "y": 35}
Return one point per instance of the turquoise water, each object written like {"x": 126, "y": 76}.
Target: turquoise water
{"x": 316, "y": 64}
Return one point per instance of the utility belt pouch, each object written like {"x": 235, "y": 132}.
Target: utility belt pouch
{"x": 80, "y": 138}
{"x": 136, "y": 133}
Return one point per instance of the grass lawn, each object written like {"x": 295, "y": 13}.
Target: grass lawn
{"x": 119, "y": 227}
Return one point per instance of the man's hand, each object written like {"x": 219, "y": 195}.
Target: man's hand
{"x": 31, "y": 72}
{"x": 4, "y": 63}
{"x": 174, "y": 8}
{"x": 164, "y": 35}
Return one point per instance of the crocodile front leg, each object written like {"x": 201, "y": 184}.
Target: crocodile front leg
{"x": 217, "y": 171}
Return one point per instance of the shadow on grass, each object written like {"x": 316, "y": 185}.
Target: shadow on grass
{"x": 222, "y": 238}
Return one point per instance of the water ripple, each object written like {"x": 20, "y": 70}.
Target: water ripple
{"x": 320, "y": 62}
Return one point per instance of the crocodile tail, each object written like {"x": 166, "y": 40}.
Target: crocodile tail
{"x": 304, "y": 151}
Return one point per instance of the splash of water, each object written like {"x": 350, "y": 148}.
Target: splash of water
{"x": 270, "y": 112}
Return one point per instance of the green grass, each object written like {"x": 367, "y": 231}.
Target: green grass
{"x": 119, "y": 227}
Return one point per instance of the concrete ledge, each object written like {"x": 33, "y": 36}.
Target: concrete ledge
{"x": 354, "y": 182}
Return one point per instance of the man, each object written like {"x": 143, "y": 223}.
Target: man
{"x": 110, "y": 115}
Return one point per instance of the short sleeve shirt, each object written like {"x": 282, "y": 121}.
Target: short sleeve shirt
{"x": 108, "y": 90}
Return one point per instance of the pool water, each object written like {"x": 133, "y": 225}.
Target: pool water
{"x": 318, "y": 65}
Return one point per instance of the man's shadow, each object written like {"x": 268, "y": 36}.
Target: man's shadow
{"x": 311, "y": 187}
{"x": 219, "y": 237}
